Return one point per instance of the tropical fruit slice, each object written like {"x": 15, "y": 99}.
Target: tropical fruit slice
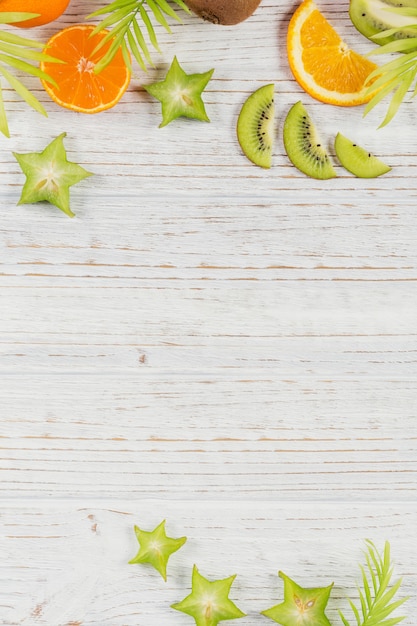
{"x": 357, "y": 160}
{"x": 256, "y": 128}
{"x": 371, "y": 17}
{"x": 180, "y": 94}
{"x": 322, "y": 63}
{"x": 303, "y": 145}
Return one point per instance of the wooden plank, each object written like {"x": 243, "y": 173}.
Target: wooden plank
{"x": 217, "y": 434}
{"x": 67, "y": 562}
{"x": 228, "y": 348}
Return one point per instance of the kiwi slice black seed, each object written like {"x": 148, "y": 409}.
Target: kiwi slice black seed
{"x": 406, "y": 4}
{"x": 357, "y": 160}
{"x": 256, "y": 126}
{"x": 304, "y": 146}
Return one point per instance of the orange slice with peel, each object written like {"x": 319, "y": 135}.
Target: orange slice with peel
{"x": 322, "y": 63}
{"x": 76, "y": 86}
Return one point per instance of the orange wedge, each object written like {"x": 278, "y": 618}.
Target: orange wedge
{"x": 76, "y": 86}
{"x": 321, "y": 61}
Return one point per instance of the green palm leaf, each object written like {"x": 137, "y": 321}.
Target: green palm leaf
{"x": 376, "y": 594}
{"x": 21, "y": 54}
{"x": 127, "y": 21}
{"x": 397, "y": 76}
{"x": 7, "y": 17}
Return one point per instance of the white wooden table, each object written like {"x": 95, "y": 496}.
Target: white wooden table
{"x": 231, "y": 349}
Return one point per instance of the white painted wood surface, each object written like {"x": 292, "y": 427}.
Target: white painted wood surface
{"x": 232, "y": 349}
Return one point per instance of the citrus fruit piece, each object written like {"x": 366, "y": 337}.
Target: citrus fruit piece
{"x": 322, "y": 63}
{"x": 47, "y": 10}
{"x": 77, "y": 86}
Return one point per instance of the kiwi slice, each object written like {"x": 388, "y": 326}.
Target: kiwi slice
{"x": 256, "y": 127}
{"x": 357, "y": 160}
{"x": 303, "y": 145}
{"x": 371, "y": 17}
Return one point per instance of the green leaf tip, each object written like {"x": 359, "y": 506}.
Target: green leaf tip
{"x": 301, "y": 606}
{"x": 376, "y": 593}
{"x": 16, "y": 52}
{"x": 394, "y": 77}
{"x": 49, "y": 175}
{"x": 155, "y": 548}
{"x": 12, "y": 17}
{"x": 131, "y": 22}
{"x": 180, "y": 94}
{"x": 209, "y": 602}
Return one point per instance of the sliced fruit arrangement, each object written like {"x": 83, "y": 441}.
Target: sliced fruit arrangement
{"x": 209, "y": 601}
{"x": 76, "y": 85}
{"x": 322, "y": 63}
{"x": 49, "y": 175}
{"x": 23, "y": 54}
{"x": 256, "y": 127}
{"x": 372, "y": 17}
{"x": 303, "y": 145}
{"x": 180, "y": 94}
{"x": 357, "y": 160}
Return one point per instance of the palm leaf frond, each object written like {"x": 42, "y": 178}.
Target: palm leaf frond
{"x": 375, "y": 593}
{"x": 395, "y": 77}
{"x": 9, "y": 17}
{"x": 127, "y": 21}
{"x": 21, "y": 54}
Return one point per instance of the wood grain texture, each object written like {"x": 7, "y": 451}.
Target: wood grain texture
{"x": 230, "y": 348}
{"x": 83, "y": 577}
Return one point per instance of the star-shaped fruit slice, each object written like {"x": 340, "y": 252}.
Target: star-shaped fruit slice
{"x": 156, "y": 548}
{"x": 301, "y": 607}
{"x": 49, "y": 175}
{"x": 180, "y": 94}
{"x": 209, "y": 603}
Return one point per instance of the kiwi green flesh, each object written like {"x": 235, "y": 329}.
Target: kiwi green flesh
{"x": 371, "y": 17}
{"x": 303, "y": 145}
{"x": 255, "y": 126}
{"x": 226, "y": 12}
{"x": 410, "y": 4}
{"x": 357, "y": 160}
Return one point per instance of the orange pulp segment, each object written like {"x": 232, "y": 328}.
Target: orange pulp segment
{"x": 322, "y": 63}
{"x": 77, "y": 86}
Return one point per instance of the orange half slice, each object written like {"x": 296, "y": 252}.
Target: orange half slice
{"x": 77, "y": 86}
{"x": 322, "y": 63}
